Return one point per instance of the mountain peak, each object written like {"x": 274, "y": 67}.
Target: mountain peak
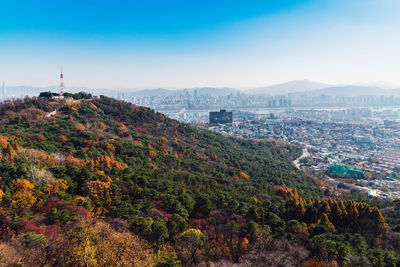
{"x": 288, "y": 87}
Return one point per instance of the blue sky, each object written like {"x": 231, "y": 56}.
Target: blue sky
{"x": 178, "y": 43}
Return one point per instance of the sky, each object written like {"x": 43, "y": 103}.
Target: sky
{"x": 187, "y": 43}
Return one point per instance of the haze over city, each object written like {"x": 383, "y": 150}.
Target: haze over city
{"x": 171, "y": 44}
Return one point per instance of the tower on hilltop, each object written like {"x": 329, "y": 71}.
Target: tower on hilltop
{"x": 62, "y": 82}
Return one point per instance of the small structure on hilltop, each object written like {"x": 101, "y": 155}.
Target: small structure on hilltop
{"x": 76, "y": 96}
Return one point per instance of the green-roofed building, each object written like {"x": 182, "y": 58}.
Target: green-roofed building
{"x": 340, "y": 169}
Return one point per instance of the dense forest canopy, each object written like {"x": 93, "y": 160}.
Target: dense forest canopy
{"x": 99, "y": 182}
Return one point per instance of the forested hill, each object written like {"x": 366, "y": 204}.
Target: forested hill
{"x": 100, "y": 182}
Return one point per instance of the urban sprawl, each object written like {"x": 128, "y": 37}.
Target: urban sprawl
{"x": 353, "y": 142}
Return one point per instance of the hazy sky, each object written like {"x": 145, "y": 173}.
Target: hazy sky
{"x": 189, "y": 43}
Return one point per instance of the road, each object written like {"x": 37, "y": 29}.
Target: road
{"x": 305, "y": 154}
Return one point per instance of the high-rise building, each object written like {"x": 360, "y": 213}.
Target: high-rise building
{"x": 3, "y": 90}
{"x": 222, "y": 116}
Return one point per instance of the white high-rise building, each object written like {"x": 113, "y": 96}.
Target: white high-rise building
{"x": 4, "y": 91}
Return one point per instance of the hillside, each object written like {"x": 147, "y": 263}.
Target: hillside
{"x": 95, "y": 181}
{"x": 354, "y": 90}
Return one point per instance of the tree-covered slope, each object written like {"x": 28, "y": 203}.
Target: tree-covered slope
{"x": 74, "y": 169}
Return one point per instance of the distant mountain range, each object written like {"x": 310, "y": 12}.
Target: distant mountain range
{"x": 304, "y": 87}
{"x": 315, "y": 88}
{"x": 353, "y": 91}
{"x": 295, "y": 87}
{"x": 288, "y": 87}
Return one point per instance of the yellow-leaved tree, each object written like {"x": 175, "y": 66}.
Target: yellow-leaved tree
{"x": 98, "y": 244}
{"x": 58, "y": 185}
{"x": 23, "y": 197}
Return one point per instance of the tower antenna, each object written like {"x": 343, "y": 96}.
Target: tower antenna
{"x": 61, "y": 82}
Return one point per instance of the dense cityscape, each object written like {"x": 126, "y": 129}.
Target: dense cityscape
{"x": 362, "y": 138}
{"x": 234, "y": 99}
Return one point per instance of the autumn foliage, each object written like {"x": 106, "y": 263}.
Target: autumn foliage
{"x": 314, "y": 263}
{"x": 153, "y": 166}
{"x": 99, "y": 188}
{"x": 92, "y": 105}
{"x": 3, "y": 141}
{"x": 104, "y": 162}
{"x": 23, "y": 197}
{"x": 244, "y": 175}
{"x": 79, "y": 127}
{"x": 152, "y": 154}
{"x": 59, "y": 185}
{"x": 106, "y": 183}
{"x": 110, "y": 147}
{"x": 90, "y": 143}
{"x": 36, "y": 137}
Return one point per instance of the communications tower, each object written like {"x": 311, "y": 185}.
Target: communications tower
{"x": 62, "y": 82}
